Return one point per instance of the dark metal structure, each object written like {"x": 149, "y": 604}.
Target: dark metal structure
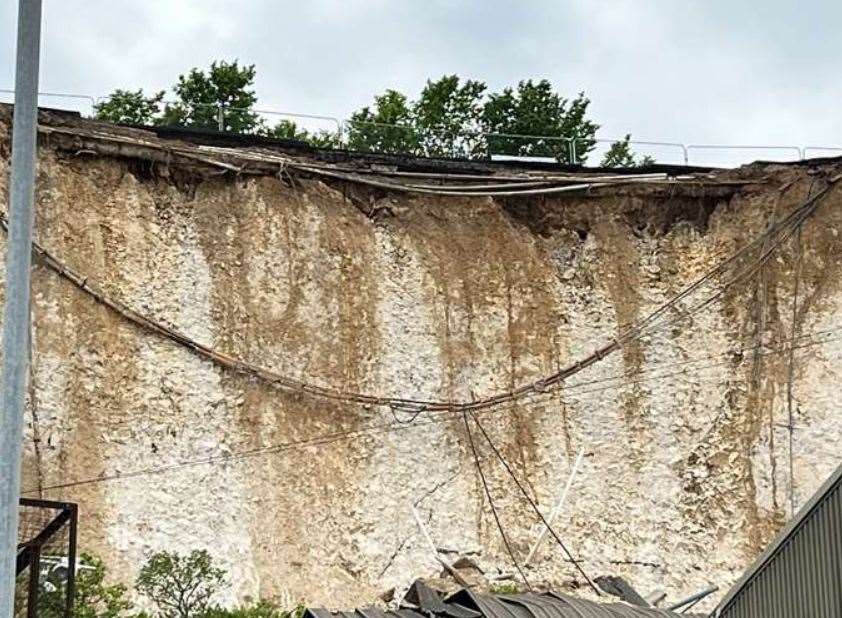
{"x": 46, "y": 558}
{"x": 800, "y": 572}
{"x": 423, "y": 602}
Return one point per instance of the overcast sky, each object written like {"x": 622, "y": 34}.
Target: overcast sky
{"x": 736, "y": 72}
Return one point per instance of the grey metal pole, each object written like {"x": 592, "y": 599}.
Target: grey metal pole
{"x": 557, "y": 508}
{"x": 16, "y": 313}
{"x": 693, "y": 599}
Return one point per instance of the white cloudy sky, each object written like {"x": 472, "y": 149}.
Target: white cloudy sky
{"x": 742, "y": 71}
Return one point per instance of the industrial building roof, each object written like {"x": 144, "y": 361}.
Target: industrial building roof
{"x": 798, "y": 573}
{"x": 423, "y": 602}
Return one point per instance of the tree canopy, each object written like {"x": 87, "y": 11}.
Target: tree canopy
{"x": 534, "y": 109}
{"x": 450, "y": 118}
{"x": 620, "y": 154}
{"x": 288, "y": 129}
{"x": 447, "y": 118}
{"x": 201, "y": 95}
{"x": 129, "y": 107}
{"x": 388, "y": 127}
{"x": 180, "y": 586}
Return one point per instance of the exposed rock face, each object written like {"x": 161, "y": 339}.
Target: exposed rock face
{"x": 686, "y": 473}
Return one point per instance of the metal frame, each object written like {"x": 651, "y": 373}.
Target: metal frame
{"x": 29, "y": 553}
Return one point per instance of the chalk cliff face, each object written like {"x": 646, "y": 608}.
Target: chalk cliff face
{"x": 686, "y": 473}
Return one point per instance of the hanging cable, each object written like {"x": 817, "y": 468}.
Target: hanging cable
{"x": 436, "y": 418}
{"x": 533, "y": 505}
{"x": 491, "y": 503}
{"x": 791, "y": 376}
{"x": 791, "y": 362}
{"x": 645, "y": 326}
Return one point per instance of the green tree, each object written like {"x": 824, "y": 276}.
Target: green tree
{"x": 93, "y": 598}
{"x": 129, "y": 107}
{"x": 261, "y": 609}
{"x": 447, "y": 117}
{"x": 287, "y": 129}
{"x": 226, "y": 85}
{"x": 325, "y": 139}
{"x": 535, "y": 109}
{"x": 389, "y": 128}
{"x": 620, "y": 154}
{"x": 180, "y": 586}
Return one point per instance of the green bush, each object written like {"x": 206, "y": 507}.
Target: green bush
{"x": 505, "y": 588}
{"x": 93, "y": 597}
{"x": 180, "y": 586}
{"x": 261, "y": 609}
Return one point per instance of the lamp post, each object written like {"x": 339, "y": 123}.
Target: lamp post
{"x": 16, "y": 317}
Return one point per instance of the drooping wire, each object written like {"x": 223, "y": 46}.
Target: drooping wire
{"x": 536, "y": 386}
{"x": 791, "y": 362}
{"x": 488, "y": 495}
{"x": 785, "y": 227}
{"x": 438, "y": 417}
{"x": 534, "y": 506}
{"x": 411, "y": 411}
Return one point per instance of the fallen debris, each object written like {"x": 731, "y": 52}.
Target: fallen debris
{"x": 422, "y": 600}
{"x": 619, "y": 587}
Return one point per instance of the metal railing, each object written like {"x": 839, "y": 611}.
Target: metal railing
{"x": 823, "y": 149}
{"x": 91, "y": 108}
{"x": 475, "y": 142}
{"x": 685, "y": 153}
{"x": 330, "y": 119}
{"x": 219, "y": 112}
{"x": 799, "y": 152}
{"x": 468, "y": 141}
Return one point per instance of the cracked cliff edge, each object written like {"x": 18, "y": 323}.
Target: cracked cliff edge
{"x": 292, "y": 337}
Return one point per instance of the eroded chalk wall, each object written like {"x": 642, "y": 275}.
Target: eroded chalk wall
{"x": 686, "y": 472}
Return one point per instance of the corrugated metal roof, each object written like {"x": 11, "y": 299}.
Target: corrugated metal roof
{"x": 469, "y": 604}
{"x": 800, "y": 572}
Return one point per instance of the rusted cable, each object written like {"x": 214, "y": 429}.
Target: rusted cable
{"x": 546, "y": 382}
{"x": 441, "y": 417}
{"x": 538, "y": 385}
